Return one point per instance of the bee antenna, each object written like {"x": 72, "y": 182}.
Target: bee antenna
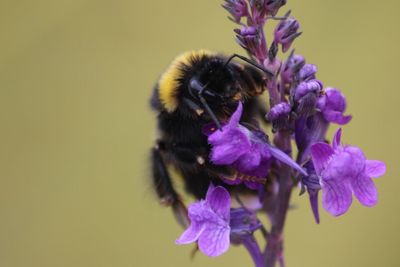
{"x": 195, "y": 84}
{"x": 268, "y": 72}
{"x": 208, "y": 109}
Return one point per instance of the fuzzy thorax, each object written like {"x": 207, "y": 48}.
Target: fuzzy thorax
{"x": 169, "y": 82}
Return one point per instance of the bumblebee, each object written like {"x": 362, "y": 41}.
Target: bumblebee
{"x": 199, "y": 88}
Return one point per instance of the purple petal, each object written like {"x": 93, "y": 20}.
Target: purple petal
{"x": 249, "y": 161}
{"x": 350, "y": 163}
{"x": 336, "y": 117}
{"x": 225, "y": 136}
{"x": 214, "y": 240}
{"x": 375, "y": 168}
{"x": 235, "y": 118}
{"x": 320, "y": 153}
{"x": 197, "y": 210}
{"x": 283, "y": 157}
{"x": 309, "y": 131}
{"x": 210, "y": 189}
{"x": 365, "y": 191}
{"x": 229, "y": 145}
{"x": 337, "y": 138}
{"x": 220, "y": 202}
{"x": 259, "y": 171}
{"x": 336, "y": 197}
{"x": 335, "y": 99}
{"x": 191, "y": 234}
{"x": 333, "y": 105}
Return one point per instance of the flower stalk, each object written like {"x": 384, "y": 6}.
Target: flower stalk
{"x": 285, "y": 34}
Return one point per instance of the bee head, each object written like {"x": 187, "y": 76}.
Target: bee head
{"x": 215, "y": 88}
{"x": 221, "y": 81}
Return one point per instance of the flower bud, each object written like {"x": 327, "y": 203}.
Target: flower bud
{"x": 291, "y": 67}
{"x": 306, "y": 96}
{"x": 307, "y": 72}
{"x": 304, "y": 88}
{"x": 278, "y": 111}
{"x": 286, "y": 32}
{"x": 279, "y": 115}
{"x": 237, "y": 8}
{"x": 247, "y": 31}
{"x": 248, "y": 38}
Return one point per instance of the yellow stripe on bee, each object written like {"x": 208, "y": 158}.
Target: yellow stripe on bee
{"x": 168, "y": 84}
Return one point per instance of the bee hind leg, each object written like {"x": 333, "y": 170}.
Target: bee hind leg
{"x": 164, "y": 188}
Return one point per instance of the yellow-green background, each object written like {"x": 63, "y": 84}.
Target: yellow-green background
{"x": 75, "y": 78}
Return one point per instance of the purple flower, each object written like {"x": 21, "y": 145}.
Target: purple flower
{"x": 343, "y": 171}
{"x": 286, "y": 32}
{"x": 332, "y": 105}
{"x": 209, "y": 223}
{"x": 237, "y": 8}
{"x": 247, "y": 151}
{"x": 237, "y": 146}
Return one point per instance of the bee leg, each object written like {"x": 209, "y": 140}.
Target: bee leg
{"x": 193, "y": 106}
{"x": 165, "y": 189}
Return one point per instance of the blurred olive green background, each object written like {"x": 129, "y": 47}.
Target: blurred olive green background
{"x": 75, "y": 78}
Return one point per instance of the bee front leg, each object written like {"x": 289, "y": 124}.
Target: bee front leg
{"x": 164, "y": 188}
